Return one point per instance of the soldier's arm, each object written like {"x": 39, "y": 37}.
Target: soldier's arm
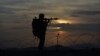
{"x": 50, "y": 19}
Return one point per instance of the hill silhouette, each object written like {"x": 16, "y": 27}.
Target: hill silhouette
{"x": 56, "y": 50}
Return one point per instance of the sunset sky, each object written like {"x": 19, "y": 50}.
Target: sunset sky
{"x": 74, "y": 11}
{"x": 75, "y": 17}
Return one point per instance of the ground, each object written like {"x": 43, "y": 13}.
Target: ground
{"x": 50, "y": 51}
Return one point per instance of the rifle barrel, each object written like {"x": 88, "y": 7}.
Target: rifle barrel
{"x": 51, "y": 19}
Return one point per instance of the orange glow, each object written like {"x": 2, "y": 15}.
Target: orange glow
{"x": 61, "y": 33}
{"x": 61, "y": 21}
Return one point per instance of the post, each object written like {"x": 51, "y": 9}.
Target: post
{"x": 57, "y": 42}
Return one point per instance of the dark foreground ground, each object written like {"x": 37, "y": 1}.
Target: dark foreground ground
{"x": 50, "y": 51}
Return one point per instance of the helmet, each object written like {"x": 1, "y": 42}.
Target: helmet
{"x": 41, "y": 15}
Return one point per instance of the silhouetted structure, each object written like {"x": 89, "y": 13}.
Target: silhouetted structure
{"x": 39, "y": 26}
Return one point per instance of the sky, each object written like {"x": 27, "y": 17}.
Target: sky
{"x": 73, "y": 11}
{"x": 16, "y": 17}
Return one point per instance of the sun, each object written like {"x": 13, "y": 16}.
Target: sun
{"x": 61, "y": 21}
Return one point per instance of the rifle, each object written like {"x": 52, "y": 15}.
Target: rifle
{"x": 50, "y": 19}
{"x": 47, "y": 19}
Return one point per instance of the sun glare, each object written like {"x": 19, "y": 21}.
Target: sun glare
{"x": 62, "y": 21}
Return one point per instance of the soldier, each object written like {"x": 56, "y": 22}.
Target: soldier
{"x": 39, "y": 27}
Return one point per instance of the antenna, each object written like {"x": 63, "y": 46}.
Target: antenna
{"x": 57, "y": 41}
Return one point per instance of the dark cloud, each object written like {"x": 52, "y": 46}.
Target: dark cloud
{"x": 54, "y": 8}
{"x": 86, "y": 16}
{"x": 5, "y": 10}
{"x": 85, "y": 13}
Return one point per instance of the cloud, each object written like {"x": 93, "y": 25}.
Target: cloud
{"x": 5, "y": 10}
{"x": 53, "y": 8}
{"x": 85, "y": 16}
{"x": 86, "y": 13}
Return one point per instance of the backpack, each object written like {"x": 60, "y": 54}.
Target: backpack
{"x": 34, "y": 27}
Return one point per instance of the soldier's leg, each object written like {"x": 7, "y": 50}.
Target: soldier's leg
{"x": 41, "y": 43}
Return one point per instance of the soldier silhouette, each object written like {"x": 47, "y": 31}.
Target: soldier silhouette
{"x": 39, "y": 26}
